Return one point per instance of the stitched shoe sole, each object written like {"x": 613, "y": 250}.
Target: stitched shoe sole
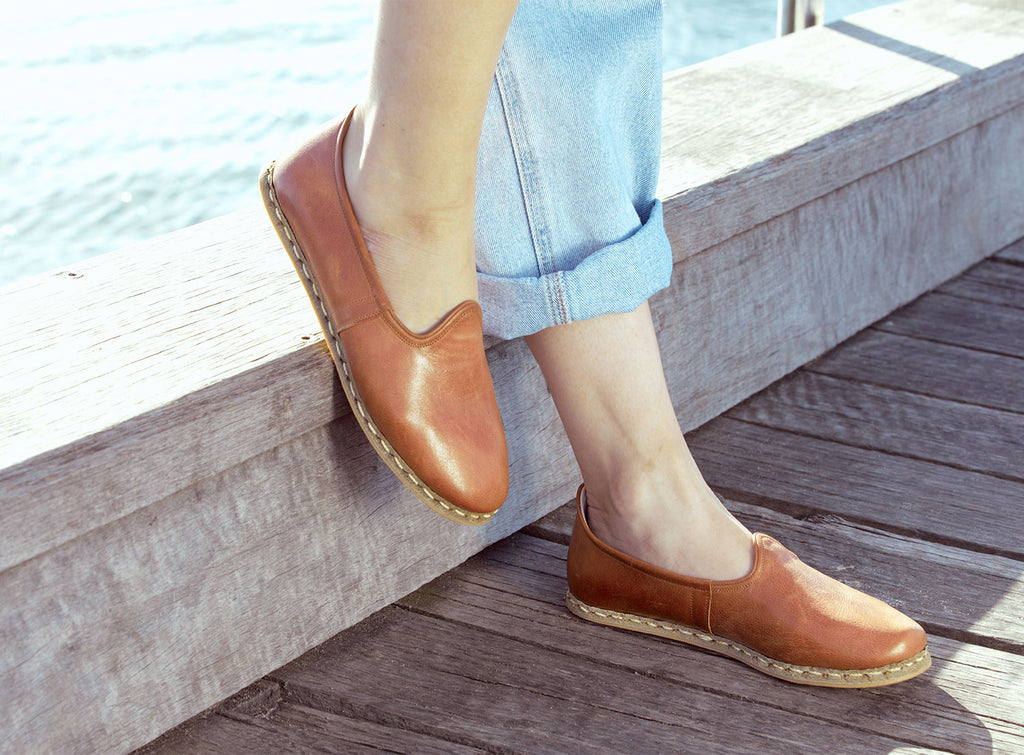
{"x": 813, "y": 675}
{"x": 380, "y": 444}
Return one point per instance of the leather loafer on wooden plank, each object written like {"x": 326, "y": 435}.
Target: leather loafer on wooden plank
{"x": 784, "y": 618}
{"x": 425, "y": 401}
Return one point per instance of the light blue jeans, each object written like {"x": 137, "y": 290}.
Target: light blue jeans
{"x": 567, "y": 225}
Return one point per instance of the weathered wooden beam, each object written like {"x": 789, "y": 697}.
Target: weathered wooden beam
{"x": 186, "y": 500}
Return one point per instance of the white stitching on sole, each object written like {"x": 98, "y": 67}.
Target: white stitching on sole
{"x": 376, "y": 438}
{"x": 787, "y": 671}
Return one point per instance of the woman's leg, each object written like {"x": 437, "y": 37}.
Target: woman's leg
{"x": 405, "y": 182}
{"x": 411, "y": 152}
{"x": 646, "y": 498}
{"x": 645, "y": 495}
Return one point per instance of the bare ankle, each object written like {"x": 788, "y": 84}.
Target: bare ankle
{"x": 421, "y": 244}
{"x": 392, "y": 193}
{"x": 423, "y": 279}
{"x": 635, "y": 476}
{"x": 673, "y": 520}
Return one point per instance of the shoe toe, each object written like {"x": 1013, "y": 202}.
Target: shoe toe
{"x": 884, "y": 637}
{"x": 794, "y": 613}
{"x": 478, "y": 484}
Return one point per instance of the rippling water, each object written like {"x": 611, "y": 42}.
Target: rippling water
{"x": 122, "y": 120}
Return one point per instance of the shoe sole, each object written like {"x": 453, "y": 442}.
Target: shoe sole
{"x": 380, "y": 444}
{"x": 812, "y": 675}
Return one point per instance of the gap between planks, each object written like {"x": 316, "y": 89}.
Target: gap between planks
{"x": 927, "y": 368}
{"x": 514, "y": 592}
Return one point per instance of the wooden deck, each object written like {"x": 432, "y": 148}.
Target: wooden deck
{"x": 187, "y": 504}
{"x": 895, "y": 463}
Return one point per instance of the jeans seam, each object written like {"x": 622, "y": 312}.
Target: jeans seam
{"x": 558, "y": 293}
{"x": 509, "y": 96}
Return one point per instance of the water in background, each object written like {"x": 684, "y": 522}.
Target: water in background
{"x": 122, "y": 120}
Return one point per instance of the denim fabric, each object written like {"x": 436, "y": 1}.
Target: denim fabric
{"x": 567, "y": 226}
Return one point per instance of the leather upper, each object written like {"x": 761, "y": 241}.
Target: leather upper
{"x": 430, "y": 394}
{"x": 783, "y": 608}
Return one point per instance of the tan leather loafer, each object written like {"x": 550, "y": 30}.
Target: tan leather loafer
{"x": 425, "y": 401}
{"x": 783, "y": 618}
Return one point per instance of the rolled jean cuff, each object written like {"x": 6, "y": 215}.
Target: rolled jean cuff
{"x": 618, "y": 277}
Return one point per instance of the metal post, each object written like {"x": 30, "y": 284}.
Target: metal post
{"x": 795, "y": 15}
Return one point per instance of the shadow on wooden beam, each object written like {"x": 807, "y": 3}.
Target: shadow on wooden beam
{"x": 187, "y": 502}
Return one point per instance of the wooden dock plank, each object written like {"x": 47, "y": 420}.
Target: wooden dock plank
{"x": 961, "y": 322}
{"x": 873, "y": 417}
{"x": 216, "y": 734}
{"x": 943, "y": 709}
{"x": 310, "y": 729}
{"x": 1013, "y": 253}
{"x": 513, "y": 593}
{"x": 934, "y": 369}
{"x": 990, "y": 281}
{"x": 803, "y": 475}
{"x": 185, "y": 548}
{"x": 511, "y": 693}
{"x": 290, "y": 728}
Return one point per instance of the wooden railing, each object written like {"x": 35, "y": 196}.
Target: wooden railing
{"x": 187, "y": 503}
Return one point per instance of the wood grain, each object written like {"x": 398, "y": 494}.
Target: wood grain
{"x": 308, "y": 729}
{"x": 928, "y": 367}
{"x": 805, "y": 475}
{"x": 187, "y": 503}
{"x": 960, "y": 435}
{"x": 943, "y": 709}
{"x": 512, "y": 693}
{"x": 962, "y": 322}
{"x": 289, "y": 728}
{"x": 991, "y": 281}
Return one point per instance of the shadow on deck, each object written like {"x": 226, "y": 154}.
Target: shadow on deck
{"x": 188, "y": 504}
{"x": 894, "y": 463}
